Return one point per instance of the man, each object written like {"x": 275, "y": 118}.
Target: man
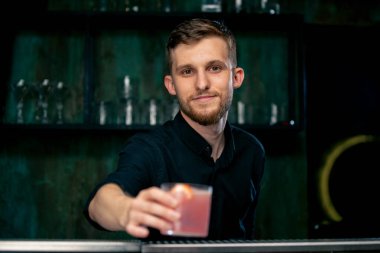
{"x": 198, "y": 146}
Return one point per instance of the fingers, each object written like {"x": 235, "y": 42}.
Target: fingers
{"x": 157, "y": 195}
{"x": 151, "y": 208}
{"x": 140, "y": 221}
{"x": 137, "y": 231}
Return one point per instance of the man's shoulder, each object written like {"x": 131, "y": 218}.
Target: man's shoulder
{"x": 158, "y": 135}
{"x": 244, "y": 137}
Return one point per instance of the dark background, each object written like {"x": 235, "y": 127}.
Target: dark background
{"x": 343, "y": 101}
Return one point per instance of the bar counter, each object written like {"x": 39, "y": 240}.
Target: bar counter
{"x": 230, "y": 246}
{"x": 69, "y": 246}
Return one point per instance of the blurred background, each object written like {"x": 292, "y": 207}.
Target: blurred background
{"x": 78, "y": 78}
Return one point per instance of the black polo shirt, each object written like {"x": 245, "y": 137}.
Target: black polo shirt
{"x": 175, "y": 152}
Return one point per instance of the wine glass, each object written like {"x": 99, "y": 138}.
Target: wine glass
{"x": 60, "y": 93}
{"x": 20, "y": 91}
{"x": 43, "y": 91}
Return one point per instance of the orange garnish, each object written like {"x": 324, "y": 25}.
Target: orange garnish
{"x": 181, "y": 190}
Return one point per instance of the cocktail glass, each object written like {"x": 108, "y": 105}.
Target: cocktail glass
{"x": 194, "y": 207}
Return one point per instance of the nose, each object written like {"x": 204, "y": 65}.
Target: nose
{"x": 202, "y": 82}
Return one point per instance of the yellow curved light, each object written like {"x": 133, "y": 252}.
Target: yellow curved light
{"x": 325, "y": 172}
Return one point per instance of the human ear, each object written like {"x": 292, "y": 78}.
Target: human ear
{"x": 168, "y": 81}
{"x": 238, "y": 77}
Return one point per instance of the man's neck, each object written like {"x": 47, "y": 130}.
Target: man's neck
{"x": 213, "y": 134}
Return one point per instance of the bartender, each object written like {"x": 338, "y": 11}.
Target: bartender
{"x": 198, "y": 146}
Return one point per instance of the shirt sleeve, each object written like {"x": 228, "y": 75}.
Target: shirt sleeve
{"x": 132, "y": 173}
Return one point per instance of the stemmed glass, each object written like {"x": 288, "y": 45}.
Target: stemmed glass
{"x": 43, "y": 91}
{"x": 60, "y": 93}
{"x": 21, "y": 91}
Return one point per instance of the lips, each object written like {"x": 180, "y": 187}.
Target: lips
{"x": 204, "y": 97}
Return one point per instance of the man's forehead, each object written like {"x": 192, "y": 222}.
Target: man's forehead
{"x": 212, "y": 40}
{"x": 205, "y": 51}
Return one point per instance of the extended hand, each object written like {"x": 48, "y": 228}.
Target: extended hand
{"x": 152, "y": 207}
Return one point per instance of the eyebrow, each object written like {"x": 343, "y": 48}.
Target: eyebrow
{"x": 213, "y": 62}
{"x": 219, "y": 62}
{"x": 185, "y": 66}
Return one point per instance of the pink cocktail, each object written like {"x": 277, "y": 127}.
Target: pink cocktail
{"x": 195, "y": 205}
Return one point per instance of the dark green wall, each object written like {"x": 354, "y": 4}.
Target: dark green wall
{"x": 45, "y": 178}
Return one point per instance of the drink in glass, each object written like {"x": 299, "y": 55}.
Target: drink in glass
{"x": 194, "y": 207}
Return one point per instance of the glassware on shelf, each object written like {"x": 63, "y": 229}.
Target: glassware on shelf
{"x": 43, "y": 91}
{"x": 248, "y": 113}
{"x": 104, "y": 113}
{"x": 244, "y": 113}
{"x": 127, "y": 87}
{"x": 148, "y": 6}
{"x": 132, "y": 6}
{"x": 102, "y": 110}
{"x": 270, "y": 6}
{"x": 274, "y": 114}
{"x": 152, "y": 112}
{"x": 128, "y": 112}
{"x": 211, "y": 6}
{"x": 60, "y": 93}
{"x": 20, "y": 90}
{"x": 279, "y": 115}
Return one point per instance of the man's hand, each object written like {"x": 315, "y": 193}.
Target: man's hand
{"x": 114, "y": 210}
{"x": 154, "y": 208}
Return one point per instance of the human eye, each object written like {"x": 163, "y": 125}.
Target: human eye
{"x": 215, "y": 68}
{"x": 186, "y": 72}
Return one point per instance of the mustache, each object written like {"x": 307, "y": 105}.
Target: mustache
{"x": 204, "y": 94}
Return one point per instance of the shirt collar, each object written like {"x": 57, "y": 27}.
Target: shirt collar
{"x": 199, "y": 145}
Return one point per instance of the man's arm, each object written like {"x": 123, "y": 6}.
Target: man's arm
{"x": 109, "y": 207}
{"x": 114, "y": 210}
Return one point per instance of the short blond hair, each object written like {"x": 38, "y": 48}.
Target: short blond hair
{"x": 194, "y": 30}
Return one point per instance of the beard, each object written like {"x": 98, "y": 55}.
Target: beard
{"x": 204, "y": 116}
